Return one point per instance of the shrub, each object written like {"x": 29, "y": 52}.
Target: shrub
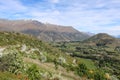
{"x": 82, "y": 70}
{"x": 99, "y": 75}
{"x": 33, "y": 72}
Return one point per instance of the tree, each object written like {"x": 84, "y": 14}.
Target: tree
{"x": 99, "y": 75}
{"x": 82, "y": 70}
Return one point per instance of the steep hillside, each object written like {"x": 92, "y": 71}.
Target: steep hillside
{"x": 23, "y": 57}
{"x": 45, "y": 32}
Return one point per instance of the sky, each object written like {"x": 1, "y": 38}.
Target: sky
{"x": 96, "y": 16}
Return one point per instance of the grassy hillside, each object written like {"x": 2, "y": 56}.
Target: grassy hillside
{"x": 24, "y": 57}
{"x": 32, "y": 59}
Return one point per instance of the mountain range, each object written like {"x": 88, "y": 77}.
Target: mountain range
{"x": 43, "y": 31}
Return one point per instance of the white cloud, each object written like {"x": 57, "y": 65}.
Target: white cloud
{"x": 47, "y": 16}
{"x": 54, "y": 1}
{"x": 11, "y": 6}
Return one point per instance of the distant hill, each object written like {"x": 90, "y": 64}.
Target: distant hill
{"x": 118, "y": 36}
{"x": 102, "y": 39}
{"x": 90, "y": 34}
{"x": 45, "y": 32}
